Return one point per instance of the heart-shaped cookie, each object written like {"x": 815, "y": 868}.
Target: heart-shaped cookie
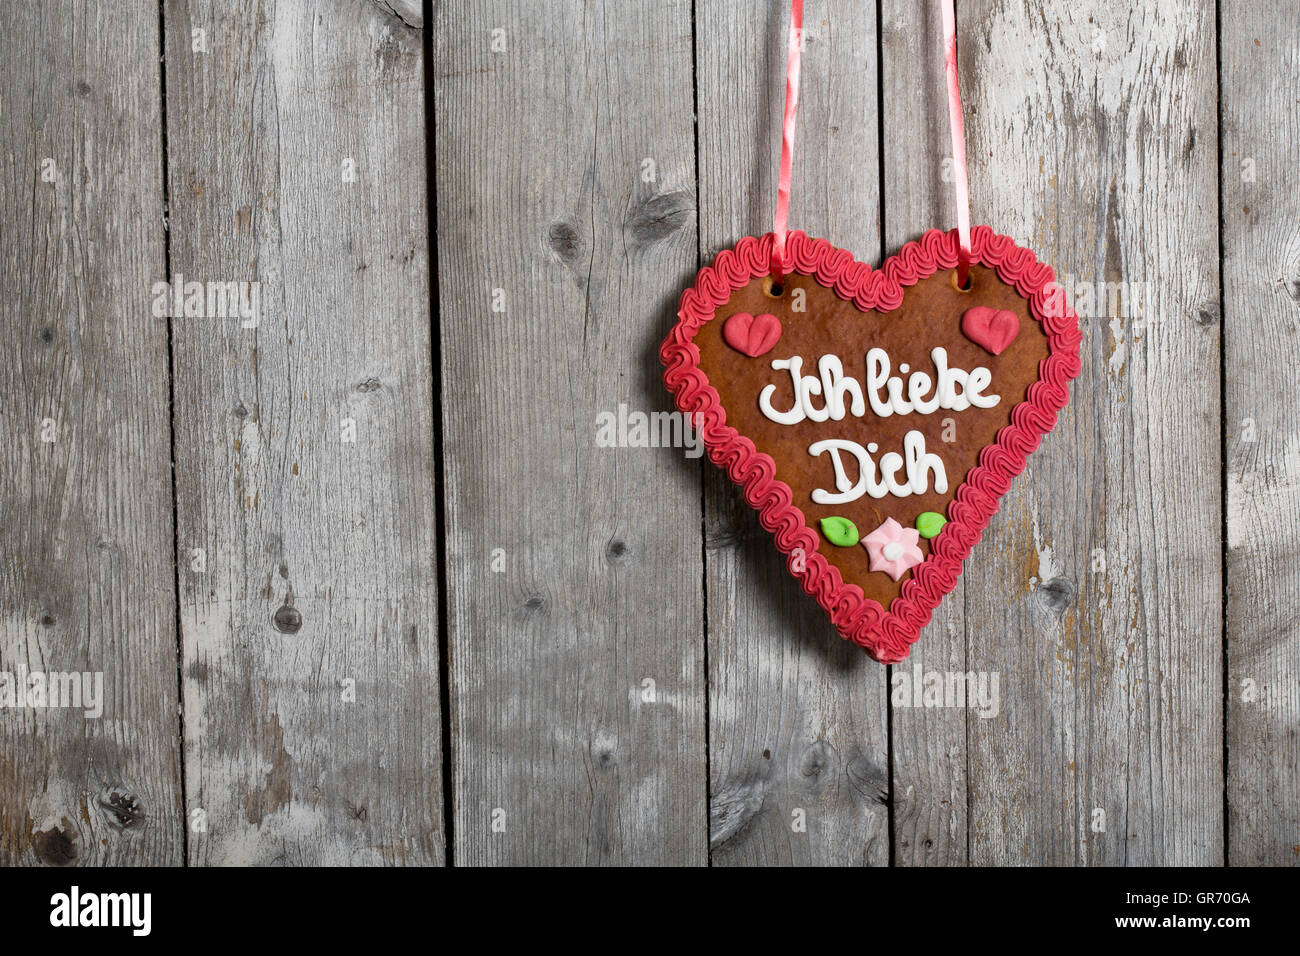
{"x": 881, "y": 422}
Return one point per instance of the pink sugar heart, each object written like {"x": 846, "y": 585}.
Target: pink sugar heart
{"x": 752, "y": 335}
{"x": 990, "y": 329}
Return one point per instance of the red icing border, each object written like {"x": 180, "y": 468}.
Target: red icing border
{"x": 885, "y": 635}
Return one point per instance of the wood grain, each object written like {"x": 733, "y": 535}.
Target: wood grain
{"x": 1108, "y": 747}
{"x": 799, "y": 761}
{"x": 928, "y": 744}
{"x": 566, "y": 228}
{"x": 585, "y": 584}
{"x": 86, "y": 584}
{"x": 1260, "y": 70}
{"x": 304, "y": 446}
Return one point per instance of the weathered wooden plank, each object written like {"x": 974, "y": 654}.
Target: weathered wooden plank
{"x": 1261, "y": 291}
{"x": 1092, "y": 137}
{"x": 566, "y": 228}
{"x": 304, "y": 459}
{"x": 928, "y": 743}
{"x": 86, "y": 584}
{"x": 799, "y": 760}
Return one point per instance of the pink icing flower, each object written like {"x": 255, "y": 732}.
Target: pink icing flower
{"x": 893, "y": 548}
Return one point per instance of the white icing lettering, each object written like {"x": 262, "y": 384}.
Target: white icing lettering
{"x": 914, "y": 470}
{"x": 980, "y": 377}
{"x": 919, "y": 462}
{"x": 950, "y": 388}
{"x": 917, "y": 386}
{"x": 889, "y": 465}
{"x": 877, "y": 375}
{"x": 848, "y": 491}
{"x": 916, "y": 463}
{"x": 796, "y": 413}
{"x": 836, "y": 385}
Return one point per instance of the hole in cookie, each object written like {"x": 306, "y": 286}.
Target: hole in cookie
{"x": 961, "y": 288}
{"x": 772, "y": 288}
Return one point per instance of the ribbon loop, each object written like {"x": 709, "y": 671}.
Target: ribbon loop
{"x": 780, "y": 260}
{"x": 958, "y": 143}
{"x": 780, "y": 225}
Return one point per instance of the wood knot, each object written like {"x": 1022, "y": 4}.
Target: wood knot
{"x": 1056, "y": 595}
{"x": 407, "y": 12}
{"x": 658, "y": 217}
{"x": 123, "y": 809}
{"x": 616, "y": 551}
{"x": 1292, "y": 287}
{"x": 56, "y": 846}
{"x": 287, "y": 619}
{"x": 46, "y": 335}
{"x": 1207, "y": 315}
{"x": 368, "y": 385}
{"x": 731, "y": 810}
{"x": 869, "y": 779}
{"x": 817, "y": 757}
{"x": 534, "y": 603}
{"x": 565, "y": 241}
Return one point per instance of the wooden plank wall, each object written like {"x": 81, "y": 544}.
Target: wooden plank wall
{"x": 304, "y": 445}
{"x": 566, "y": 228}
{"x": 86, "y": 584}
{"x": 1261, "y": 291}
{"x": 417, "y": 612}
{"x": 1109, "y": 751}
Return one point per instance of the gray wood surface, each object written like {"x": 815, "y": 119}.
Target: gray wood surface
{"x": 573, "y": 571}
{"x": 1261, "y": 291}
{"x": 1111, "y": 681}
{"x": 630, "y": 674}
{"x": 311, "y": 674}
{"x": 799, "y": 747}
{"x": 86, "y": 584}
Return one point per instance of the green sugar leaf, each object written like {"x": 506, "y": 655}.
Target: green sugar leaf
{"x": 840, "y": 531}
{"x": 930, "y": 523}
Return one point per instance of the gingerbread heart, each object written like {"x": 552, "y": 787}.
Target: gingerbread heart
{"x": 875, "y": 433}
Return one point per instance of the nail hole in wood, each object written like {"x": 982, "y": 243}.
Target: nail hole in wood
{"x": 287, "y": 619}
